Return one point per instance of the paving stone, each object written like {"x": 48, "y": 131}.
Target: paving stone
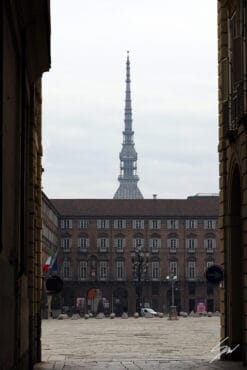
{"x": 44, "y": 366}
{"x": 132, "y": 344}
{"x": 59, "y": 365}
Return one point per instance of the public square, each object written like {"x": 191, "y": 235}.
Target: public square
{"x": 143, "y": 343}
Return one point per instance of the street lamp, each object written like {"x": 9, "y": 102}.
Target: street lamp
{"x": 173, "y": 311}
{"x": 139, "y": 267}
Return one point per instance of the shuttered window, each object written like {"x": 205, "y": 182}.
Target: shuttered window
{"x": 66, "y": 224}
{"x": 172, "y": 224}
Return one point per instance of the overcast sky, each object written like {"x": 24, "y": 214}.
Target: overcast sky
{"x": 173, "y": 55}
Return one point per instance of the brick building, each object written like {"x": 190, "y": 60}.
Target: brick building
{"x": 98, "y": 238}
{"x": 50, "y": 225}
{"x": 98, "y": 241}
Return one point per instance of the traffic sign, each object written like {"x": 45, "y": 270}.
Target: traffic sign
{"x": 54, "y": 285}
{"x": 214, "y": 274}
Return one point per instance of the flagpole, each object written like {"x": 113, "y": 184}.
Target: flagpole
{"x": 50, "y": 267}
{"x": 49, "y": 298}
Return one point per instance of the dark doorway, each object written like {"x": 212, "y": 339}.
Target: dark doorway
{"x": 69, "y": 301}
{"x": 192, "y": 304}
{"x": 120, "y": 301}
{"x": 210, "y": 305}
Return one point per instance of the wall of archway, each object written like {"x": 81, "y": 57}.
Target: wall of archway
{"x": 232, "y": 60}
{"x": 234, "y": 266}
{"x": 233, "y": 231}
{"x": 25, "y": 46}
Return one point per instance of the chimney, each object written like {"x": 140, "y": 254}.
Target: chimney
{"x": 154, "y": 196}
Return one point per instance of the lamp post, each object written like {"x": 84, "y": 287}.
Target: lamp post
{"x": 173, "y": 310}
{"x": 139, "y": 267}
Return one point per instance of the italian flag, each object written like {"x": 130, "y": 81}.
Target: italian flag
{"x": 48, "y": 261}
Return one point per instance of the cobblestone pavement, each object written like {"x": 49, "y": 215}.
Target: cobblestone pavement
{"x": 133, "y": 344}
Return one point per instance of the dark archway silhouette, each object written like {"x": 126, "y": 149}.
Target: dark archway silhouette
{"x": 234, "y": 275}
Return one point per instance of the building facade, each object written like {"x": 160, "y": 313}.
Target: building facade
{"x": 99, "y": 236}
{"x": 50, "y": 225}
{"x": 232, "y": 45}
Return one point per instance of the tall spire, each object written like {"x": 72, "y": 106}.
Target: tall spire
{"x": 128, "y": 109}
{"x": 128, "y": 178}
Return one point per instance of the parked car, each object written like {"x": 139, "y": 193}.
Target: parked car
{"x": 148, "y": 310}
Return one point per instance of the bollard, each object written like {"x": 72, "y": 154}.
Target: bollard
{"x": 173, "y": 313}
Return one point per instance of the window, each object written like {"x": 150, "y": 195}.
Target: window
{"x": 103, "y": 224}
{"x": 209, "y": 244}
{"x": 103, "y": 270}
{"x": 119, "y": 224}
{"x": 138, "y": 224}
{"x": 47, "y": 233}
{"x": 172, "y": 224}
{"x": 103, "y": 244}
{"x": 225, "y": 80}
{"x": 66, "y": 224}
{"x": 191, "y": 270}
{"x": 66, "y": 270}
{"x": 84, "y": 224}
{"x": 173, "y": 268}
{"x": 155, "y": 270}
{"x": 154, "y": 224}
{"x": 83, "y": 270}
{"x": 138, "y": 242}
{"x": 235, "y": 25}
{"x": 191, "y": 224}
{"x": 120, "y": 270}
{"x": 155, "y": 244}
{"x": 83, "y": 243}
{"x": 51, "y": 236}
{"x": 66, "y": 244}
{"x": 209, "y": 224}
{"x": 119, "y": 244}
{"x": 172, "y": 244}
{"x": 191, "y": 244}
{"x": 235, "y": 46}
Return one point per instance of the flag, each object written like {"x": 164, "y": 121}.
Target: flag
{"x": 48, "y": 262}
{"x": 53, "y": 265}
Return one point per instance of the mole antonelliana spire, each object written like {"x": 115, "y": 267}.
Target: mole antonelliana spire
{"x": 128, "y": 178}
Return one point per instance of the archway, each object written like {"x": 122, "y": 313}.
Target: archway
{"x": 234, "y": 269}
{"x": 68, "y": 300}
